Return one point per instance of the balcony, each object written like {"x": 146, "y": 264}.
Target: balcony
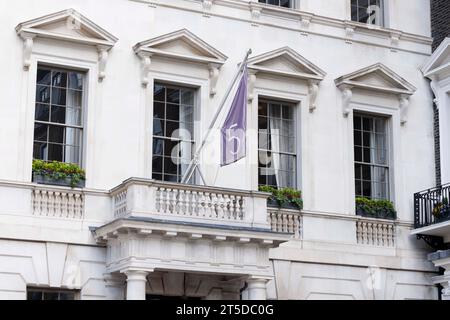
{"x": 178, "y": 228}
{"x": 432, "y": 212}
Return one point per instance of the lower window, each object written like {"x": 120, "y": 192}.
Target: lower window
{"x": 49, "y": 294}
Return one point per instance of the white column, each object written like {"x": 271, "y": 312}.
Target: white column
{"x": 257, "y": 289}
{"x": 136, "y": 282}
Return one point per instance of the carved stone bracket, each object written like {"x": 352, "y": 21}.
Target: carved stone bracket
{"x": 207, "y": 5}
{"x": 313, "y": 89}
{"x": 395, "y": 40}
{"x": 305, "y": 22}
{"x": 146, "y": 61}
{"x": 251, "y": 84}
{"x": 102, "y": 60}
{"x": 213, "y": 78}
{"x": 28, "y": 43}
{"x": 349, "y": 33}
{"x": 404, "y": 103}
{"x": 434, "y": 88}
{"x": 256, "y": 14}
{"x": 347, "y": 95}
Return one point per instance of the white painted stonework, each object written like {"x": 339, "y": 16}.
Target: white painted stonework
{"x": 124, "y": 235}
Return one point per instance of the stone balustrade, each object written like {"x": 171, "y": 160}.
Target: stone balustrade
{"x": 57, "y": 203}
{"x": 180, "y": 202}
{"x": 285, "y": 221}
{"x": 373, "y": 232}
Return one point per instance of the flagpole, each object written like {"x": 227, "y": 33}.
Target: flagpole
{"x": 194, "y": 162}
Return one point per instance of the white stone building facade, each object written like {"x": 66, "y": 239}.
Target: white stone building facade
{"x": 85, "y": 82}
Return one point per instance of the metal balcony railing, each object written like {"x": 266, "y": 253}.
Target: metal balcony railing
{"x": 432, "y": 206}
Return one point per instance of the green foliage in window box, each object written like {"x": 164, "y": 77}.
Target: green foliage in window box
{"x": 382, "y": 209}
{"x": 58, "y": 173}
{"x": 284, "y": 198}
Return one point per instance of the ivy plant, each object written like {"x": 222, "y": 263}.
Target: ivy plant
{"x": 59, "y": 171}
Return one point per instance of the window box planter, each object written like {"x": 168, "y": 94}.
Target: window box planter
{"x": 66, "y": 182}
{"x": 283, "y": 198}
{"x": 378, "y": 209}
{"x": 58, "y": 174}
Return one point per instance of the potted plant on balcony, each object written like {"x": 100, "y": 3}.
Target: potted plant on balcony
{"x": 58, "y": 173}
{"x": 286, "y": 198}
{"x": 380, "y": 209}
{"x": 441, "y": 210}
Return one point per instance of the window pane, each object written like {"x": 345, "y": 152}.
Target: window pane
{"x": 42, "y": 112}
{"x": 71, "y": 154}
{"x": 36, "y": 296}
{"x": 75, "y": 80}
{"x": 40, "y": 132}
{"x": 173, "y": 96}
{"x": 40, "y": 150}
{"x": 159, "y": 110}
{"x": 44, "y": 77}
{"x": 74, "y": 98}
{"x": 59, "y": 79}
{"x": 173, "y": 112}
{"x": 158, "y": 127}
{"x": 59, "y": 96}
{"x": 43, "y": 94}
{"x": 56, "y": 134}
{"x": 159, "y": 93}
{"x": 55, "y": 152}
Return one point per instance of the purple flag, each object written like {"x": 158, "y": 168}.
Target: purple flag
{"x": 233, "y": 132}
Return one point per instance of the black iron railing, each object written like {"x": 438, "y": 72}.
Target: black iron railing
{"x": 432, "y": 206}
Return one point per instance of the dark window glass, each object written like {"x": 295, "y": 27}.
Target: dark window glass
{"x": 58, "y": 115}
{"x": 280, "y": 3}
{"x": 371, "y": 163}
{"x": 44, "y": 294}
{"x": 173, "y": 141}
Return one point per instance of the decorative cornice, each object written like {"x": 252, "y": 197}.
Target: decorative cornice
{"x": 257, "y": 11}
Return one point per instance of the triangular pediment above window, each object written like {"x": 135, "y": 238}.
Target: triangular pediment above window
{"x": 377, "y": 77}
{"x": 68, "y": 25}
{"x": 286, "y": 62}
{"x": 181, "y": 45}
{"x": 439, "y": 63}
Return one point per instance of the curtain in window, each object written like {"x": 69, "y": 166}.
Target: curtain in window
{"x": 277, "y": 145}
{"x": 378, "y": 154}
{"x": 73, "y": 117}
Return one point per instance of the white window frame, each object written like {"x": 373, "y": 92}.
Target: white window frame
{"x": 53, "y": 58}
{"x": 387, "y": 121}
{"x": 299, "y": 103}
{"x": 393, "y": 140}
{"x": 384, "y": 18}
{"x": 83, "y": 106}
{"x": 201, "y": 96}
{"x": 295, "y": 105}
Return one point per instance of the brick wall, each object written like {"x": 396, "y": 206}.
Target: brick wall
{"x": 440, "y": 21}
